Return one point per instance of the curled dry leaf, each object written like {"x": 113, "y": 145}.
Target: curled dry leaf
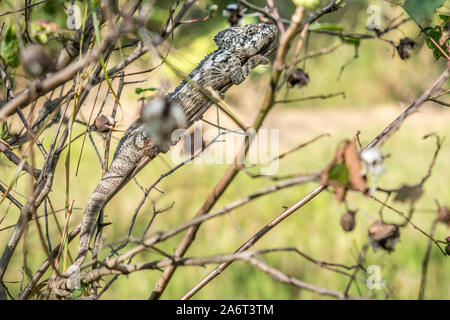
{"x": 356, "y": 180}
{"x": 444, "y": 217}
{"x": 409, "y": 193}
{"x": 383, "y": 235}
{"x": 345, "y": 171}
{"x": 404, "y": 48}
{"x": 298, "y": 78}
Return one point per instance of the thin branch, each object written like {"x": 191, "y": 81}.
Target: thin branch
{"x": 250, "y": 242}
{"x": 414, "y": 107}
{"x": 425, "y": 261}
{"x": 401, "y": 214}
{"x": 23, "y": 9}
{"x": 320, "y": 96}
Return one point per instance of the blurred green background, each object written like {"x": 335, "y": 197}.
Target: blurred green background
{"x": 378, "y": 85}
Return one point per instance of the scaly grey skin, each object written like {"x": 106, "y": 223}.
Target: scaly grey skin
{"x": 240, "y": 49}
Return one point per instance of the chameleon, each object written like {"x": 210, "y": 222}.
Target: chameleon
{"x": 239, "y": 50}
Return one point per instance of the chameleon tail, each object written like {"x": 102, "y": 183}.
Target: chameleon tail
{"x": 99, "y": 197}
{"x": 121, "y": 166}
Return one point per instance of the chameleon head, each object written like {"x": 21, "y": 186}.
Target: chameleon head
{"x": 248, "y": 40}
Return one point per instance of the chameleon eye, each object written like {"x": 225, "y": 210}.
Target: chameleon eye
{"x": 251, "y": 31}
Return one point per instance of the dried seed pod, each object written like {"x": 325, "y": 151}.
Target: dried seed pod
{"x": 161, "y": 118}
{"x": 36, "y": 61}
{"x": 298, "y": 78}
{"x": 348, "y": 221}
{"x": 444, "y": 217}
{"x": 67, "y": 54}
{"x": 104, "y": 123}
{"x": 405, "y": 46}
{"x": 383, "y": 235}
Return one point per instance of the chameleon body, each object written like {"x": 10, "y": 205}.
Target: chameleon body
{"x": 240, "y": 49}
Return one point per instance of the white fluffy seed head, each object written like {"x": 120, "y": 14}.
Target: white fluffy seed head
{"x": 373, "y": 160}
{"x": 153, "y": 109}
{"x": 161, "y": 118}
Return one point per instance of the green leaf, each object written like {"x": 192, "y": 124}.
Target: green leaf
{"x": 40, "y": 30}
{"x": 351, "y": 40}
{"x": 327, "y": 27}
{"x": 42, "y": 38}
{"x": 310, "y": 4}
{"x": 444, "y": 18}
{"x": 50, "y": 7}
{"x": 93, "y": 5}
{"x": 435, "y": 33}
{"x": 77, "y": 293}
{"x": 339, "y": 172}
{"x": 4, "y": 131}
{"x": 9, "y": 47}
{"x": 421, "y": 9}
{"x": 140, "y": 90}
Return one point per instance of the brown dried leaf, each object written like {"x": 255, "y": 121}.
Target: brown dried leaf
{"x": 298, "y": 78}
{"x": 353, "y": 163}
{"x": 444, "y": 215}
{"x": 411, "y": 193}
{"x": 339, "y": 190}
{"x": 347, "y": 155}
